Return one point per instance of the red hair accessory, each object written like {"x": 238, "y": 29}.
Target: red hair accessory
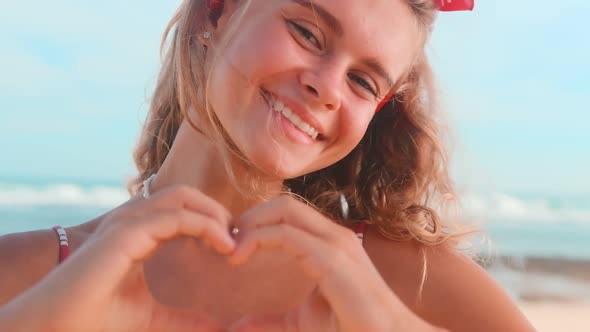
{"x": 454, "y": 5}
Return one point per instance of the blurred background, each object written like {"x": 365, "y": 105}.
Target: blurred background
{"x": 76, "y": 76}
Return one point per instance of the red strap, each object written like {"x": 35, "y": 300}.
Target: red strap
{"x": 361, "y": 228}
{"x": 64, "y": 245}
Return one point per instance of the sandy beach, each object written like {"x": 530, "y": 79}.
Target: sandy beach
{"x": 553, "y": 293}
{"x": 551, "y": 316}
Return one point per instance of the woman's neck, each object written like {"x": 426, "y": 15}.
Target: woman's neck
{"x": 195, "y": 161}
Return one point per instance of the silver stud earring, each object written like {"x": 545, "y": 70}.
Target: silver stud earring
{"x": 207, "y": 35}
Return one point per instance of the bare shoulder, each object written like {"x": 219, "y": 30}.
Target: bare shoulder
{"x": 457, "y": 293}
{"x": 25, "y": 258}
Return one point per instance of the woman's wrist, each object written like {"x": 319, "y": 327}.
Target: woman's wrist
{"x": 10, "y": 319}
{"x": 16, "y": 317}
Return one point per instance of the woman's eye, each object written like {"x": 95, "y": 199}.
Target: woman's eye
{"x": 363, "y": 83}
{"x": 305, "y": 33}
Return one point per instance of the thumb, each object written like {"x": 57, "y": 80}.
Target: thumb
{"x": 265, "y": 323}
{"x": 165, "y": 319}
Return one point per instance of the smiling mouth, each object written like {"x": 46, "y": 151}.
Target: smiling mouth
{"x": 295, "y": 120}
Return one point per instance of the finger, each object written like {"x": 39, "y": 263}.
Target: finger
{"x": 192, "y": 199}
{"x": 314, "y": 315}
{"x": 264, "y": 323}
{"x": 103, "y": 262}
{"x": 343, "y": 280}
{"x": 139, "y": 237}
{"x": 288, "y": 210}
{"x": 304, "y": 247}
{"x": 167, "y": 319}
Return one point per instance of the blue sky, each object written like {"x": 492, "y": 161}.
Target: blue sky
{"x": 76, "y": 78}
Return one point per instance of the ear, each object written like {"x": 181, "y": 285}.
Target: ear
{"x": 229, "y": 8}
{"x": 204, "y": 39}
{"x": 220, "y": 12}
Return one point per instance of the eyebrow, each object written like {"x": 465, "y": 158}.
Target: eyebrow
{"x": 330, "y": 20}
{"x": 333, "y": 23}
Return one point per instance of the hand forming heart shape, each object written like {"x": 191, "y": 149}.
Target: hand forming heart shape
{"x": 102, "y": 287}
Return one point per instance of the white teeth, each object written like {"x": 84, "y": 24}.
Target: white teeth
{"x": 279, "y": 106}
{"x": 305, "y": 127}
{"x": 287, "y": 112}
{"x": 297, "y": 121}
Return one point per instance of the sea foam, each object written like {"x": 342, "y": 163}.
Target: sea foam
{"x": 62, "y": 195}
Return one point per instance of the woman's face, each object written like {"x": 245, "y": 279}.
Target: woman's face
{"x": 298, "y": 83}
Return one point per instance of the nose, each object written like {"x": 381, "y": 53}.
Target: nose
{"x": 322, "y": 86}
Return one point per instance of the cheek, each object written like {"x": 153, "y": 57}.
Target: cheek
{"x": 262, "y": 50}
{"x": 354, "y": 126}
{"x": 248, "y": 58}
{"x": 351, "y": 127}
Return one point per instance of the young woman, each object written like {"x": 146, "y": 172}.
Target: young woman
{"x": 273, "y": 126}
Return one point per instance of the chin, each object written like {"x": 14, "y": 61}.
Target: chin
{"x": 278, "y": 165}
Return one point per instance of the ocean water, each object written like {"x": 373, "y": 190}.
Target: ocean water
{"x": 516, "y": 224}
{"x": 29, "y": 204}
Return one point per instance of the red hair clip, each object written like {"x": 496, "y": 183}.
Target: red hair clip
{"x": 454, "y": 5}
